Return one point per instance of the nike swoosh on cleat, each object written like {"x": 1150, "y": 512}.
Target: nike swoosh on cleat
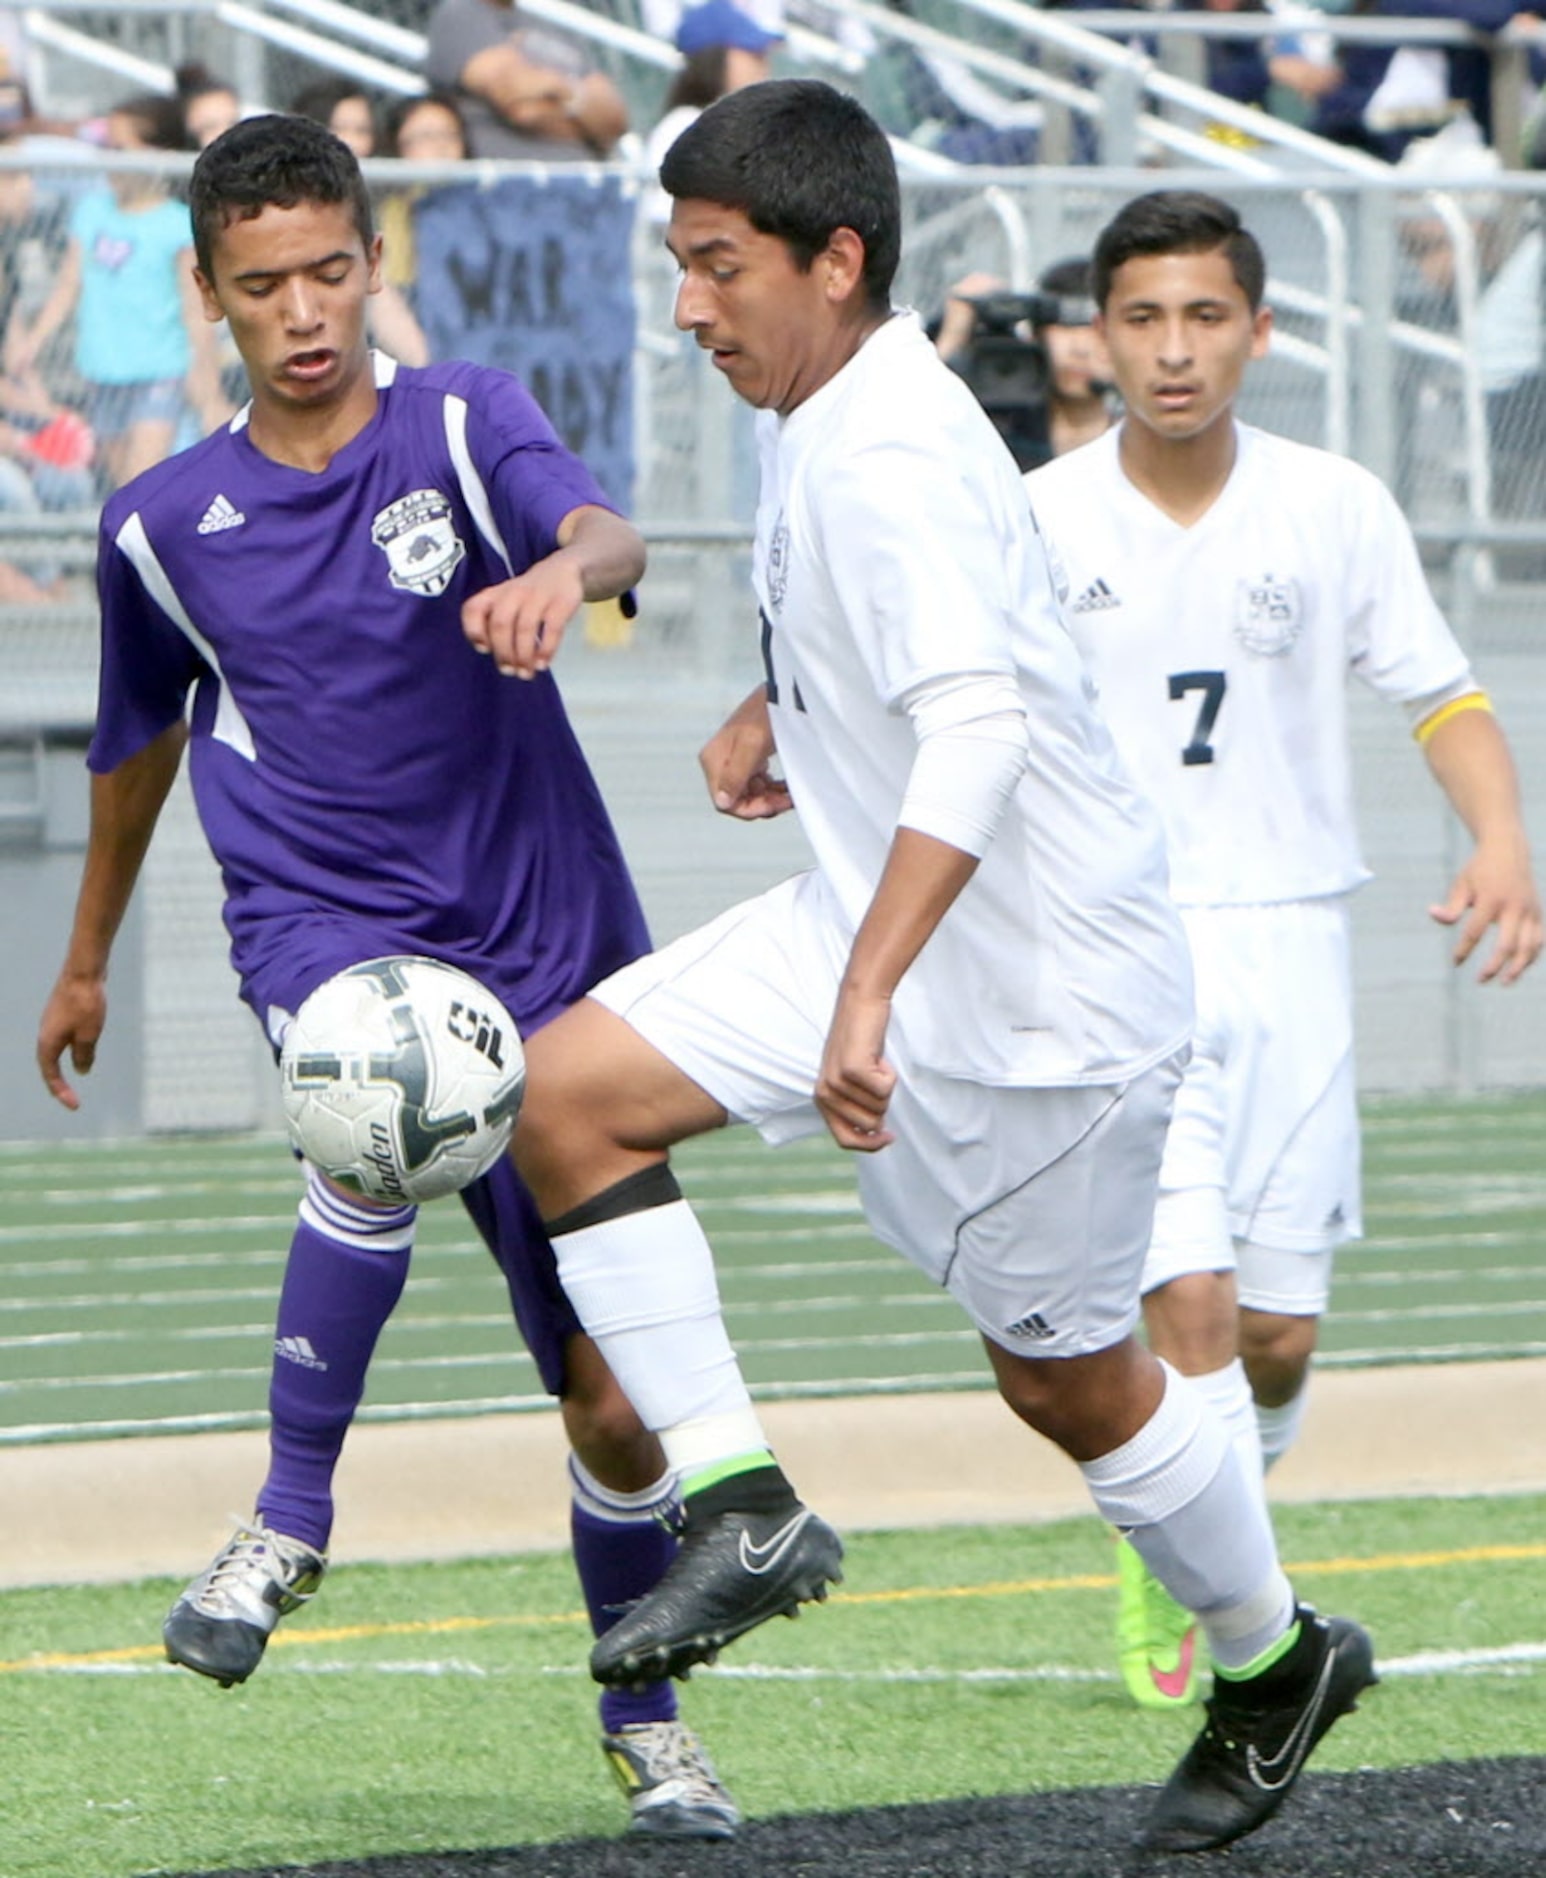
{"x": 1173, "y": 1683}
{"x": 1273, "y": 1772}
{"x": 763, "y": 1558}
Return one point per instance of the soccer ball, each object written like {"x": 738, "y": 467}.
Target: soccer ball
{"x": 401, "y": 1079}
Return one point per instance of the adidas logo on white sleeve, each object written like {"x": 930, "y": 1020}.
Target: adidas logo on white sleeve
{"x": 1096, "y": 598}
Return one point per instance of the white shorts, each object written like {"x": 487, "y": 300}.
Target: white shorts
{"x": 1032, "y": 1207}
{"x": 1262, "y": 1161}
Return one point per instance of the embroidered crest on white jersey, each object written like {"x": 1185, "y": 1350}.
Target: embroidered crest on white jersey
{"x": 222, "y": 513}
{"x": 419, "y": 539}
{"x": 1269, "y": 615}
{"x": 778, "y": 565}
{"x": 1096, "y": 598}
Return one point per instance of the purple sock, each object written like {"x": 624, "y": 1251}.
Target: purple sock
{"x": 620, "y": 1547}
{"x": 345, "y": 1273}
{"x": 620, "y": 1551}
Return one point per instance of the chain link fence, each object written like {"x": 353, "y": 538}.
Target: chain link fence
{"x": 1408, "y": 335}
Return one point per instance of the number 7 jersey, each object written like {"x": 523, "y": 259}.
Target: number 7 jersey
{"x": 1221, "y": 652}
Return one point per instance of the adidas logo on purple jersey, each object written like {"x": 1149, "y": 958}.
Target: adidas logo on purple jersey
{"x": 220, "y": 514}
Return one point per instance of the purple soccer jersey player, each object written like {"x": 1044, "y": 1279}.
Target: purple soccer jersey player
{"x": 298, "y": 599}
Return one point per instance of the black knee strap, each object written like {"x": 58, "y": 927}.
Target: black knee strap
{"x": 634, "y": 1193}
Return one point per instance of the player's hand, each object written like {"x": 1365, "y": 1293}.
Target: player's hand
{"x": 520, "y": 623}
{"x": 737, "y": 765}
{"x": 1495, "y": 889}
{"x": 72, "y": 1020}
{"x": 854, "y": 1087}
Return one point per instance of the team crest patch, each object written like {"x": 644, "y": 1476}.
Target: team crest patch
{"x": 419, "y": 539}
{"x": 778, "y": 564}
{"x": 1269, "y": 615}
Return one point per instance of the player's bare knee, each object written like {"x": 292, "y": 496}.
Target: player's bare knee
{"x": 1276, "y": 1350}
{"x": 1193, "y": 1322}
{"x": 1086, "y": 1405}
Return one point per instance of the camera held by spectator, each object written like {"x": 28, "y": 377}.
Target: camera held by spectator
{"x": 1007, "y": 365}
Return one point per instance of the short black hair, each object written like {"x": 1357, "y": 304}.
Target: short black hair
{"x": 800, "y": 160}
{"x": 277, "y": 161}
{"x": 1179, "y": 221}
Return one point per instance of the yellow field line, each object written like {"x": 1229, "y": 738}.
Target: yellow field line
{"x": 1018, "y": 1587}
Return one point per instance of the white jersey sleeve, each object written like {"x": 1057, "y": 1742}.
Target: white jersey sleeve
{"x": 1221, "y": 652}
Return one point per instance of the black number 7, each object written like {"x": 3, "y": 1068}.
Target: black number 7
{"x": 1211, "y": 685}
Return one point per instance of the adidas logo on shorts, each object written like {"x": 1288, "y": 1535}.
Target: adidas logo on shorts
{"x": 1033, "y": 1324}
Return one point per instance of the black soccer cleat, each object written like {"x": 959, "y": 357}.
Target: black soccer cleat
{"x": 1243, "y": 1765}
{"x": 734, "y": 1571}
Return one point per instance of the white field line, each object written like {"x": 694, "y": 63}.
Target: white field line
{"x": 431, "y": 1282}
{"x": 71, "y": 1232}
{"x": 471, "y": 1359}
{"x": 1506, "y": 1660}
{"x": 459, "y": 1409}
{"x": 1440, "y": 1313}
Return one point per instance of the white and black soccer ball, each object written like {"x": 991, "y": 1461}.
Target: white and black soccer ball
{"x": 401, "y": 1079}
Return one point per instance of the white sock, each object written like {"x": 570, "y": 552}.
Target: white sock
{"x": 1179, "y": 1492}
{"x": 1278, "y": 1428}
{"x": 643, "y": 1286}
{"x": 1227, "y": 1391}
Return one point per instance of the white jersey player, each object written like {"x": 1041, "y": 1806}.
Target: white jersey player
{"x": 980, "y": 985}
{"x": 1222, "y": 584}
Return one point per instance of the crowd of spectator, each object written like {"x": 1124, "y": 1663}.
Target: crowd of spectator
{"x": 114, "y": 365}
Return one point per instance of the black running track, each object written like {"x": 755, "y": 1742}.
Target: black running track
{"x": 1466, "y": 1819}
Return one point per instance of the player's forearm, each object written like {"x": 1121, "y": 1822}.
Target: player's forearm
{"x": 125, "y": 806}
{"x": 919, "y": 884}
{"x": 1471, "y": 762}
{"x": 598, "y": 112}
{"x": 609, "y": 552}
{"x": 522, "y": 93}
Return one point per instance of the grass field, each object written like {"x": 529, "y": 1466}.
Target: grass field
{"x": 433, "y": 1707}
{"x": 417, "y": 1709}
{"x": 137, "y": 1281}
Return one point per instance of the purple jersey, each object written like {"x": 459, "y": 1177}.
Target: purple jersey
{"x": 368, "y": 782}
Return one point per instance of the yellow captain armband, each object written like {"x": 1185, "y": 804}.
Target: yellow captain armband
{"x": 1472, "y": 701}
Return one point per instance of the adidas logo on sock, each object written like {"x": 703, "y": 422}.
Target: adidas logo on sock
{"x": 220, "y": 514}
{"x": 298, "y": 1350}
{"x": 1096, "y": 598}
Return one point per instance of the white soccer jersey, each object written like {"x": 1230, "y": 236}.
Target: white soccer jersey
{"x": 895, "y": 546}
{"x": 1221, "y": 651}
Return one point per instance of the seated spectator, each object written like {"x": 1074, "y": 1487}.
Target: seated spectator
{"x": 423, "y": 129}
{"x": 45, "y": 448}
{"x": 426, "y": 129}
{"x": 345, "y": 109}
{"x": 527, "y": 89}
{"x": 722, "y": 48}
{"x": 1449, "y": 80}
{"x": 1077, "y": 402}
{"x": 142, "y": 344}
{"x": 1081, "y": 394}
{"x": 1285, "y": 72}
{"x": 349, "y": 114}
{"x": 209, "y": 104}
